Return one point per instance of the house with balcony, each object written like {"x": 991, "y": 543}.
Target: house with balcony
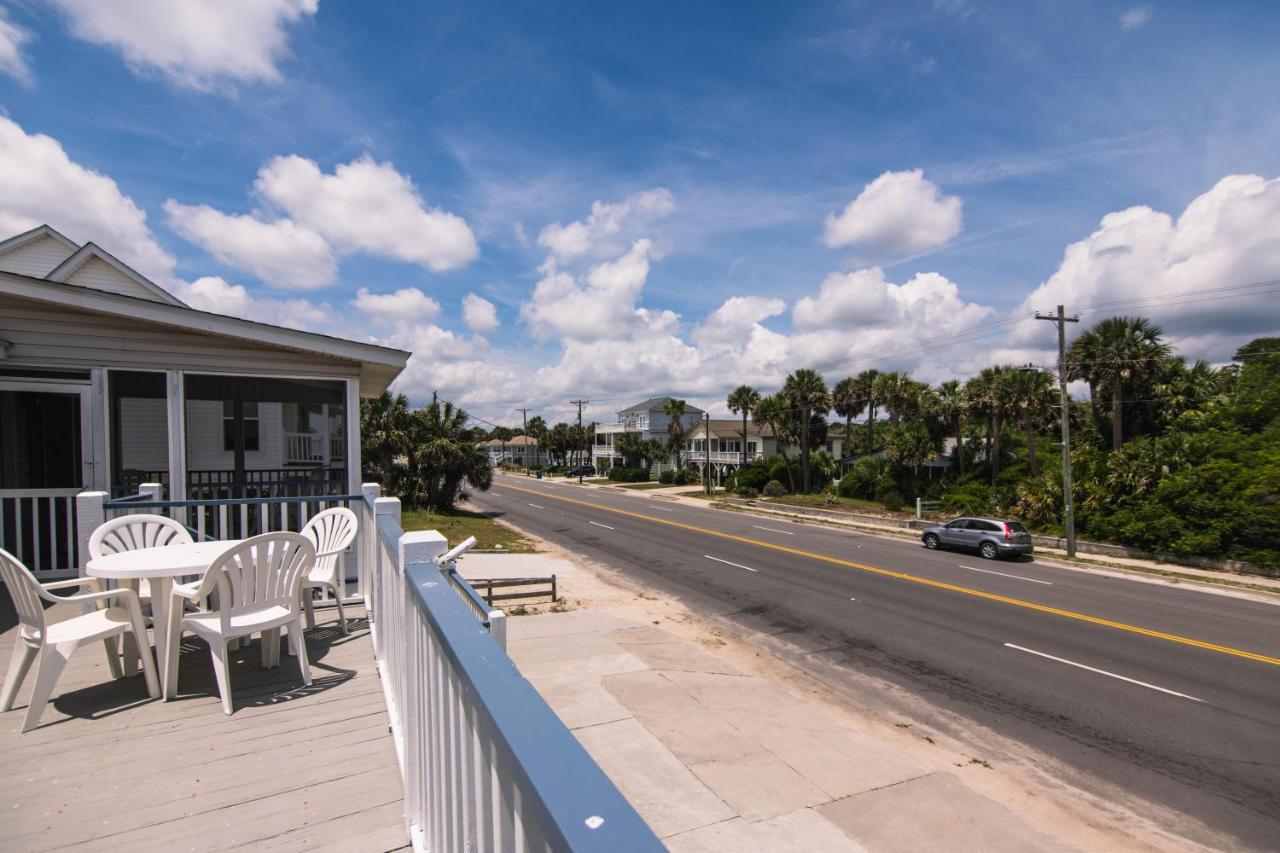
{"x": 648, "y": 420}
{"x": 417, "y": 731}
{"x": 520, "y": 450}
{"x": 719, "y": 444}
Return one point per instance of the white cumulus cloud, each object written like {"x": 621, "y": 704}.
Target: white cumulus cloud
{"x": 601, "y": 305}
{"x": 1131, "y": 19}
{"x": 479, "y": 313}
{"x": 281, "y": 253}
{"x": 606, "y": 220}
{"x": 199, "y": 44}
{"x": 218, "y": 296}
{"x": 12, "y": 60}
{"x": 40, "y": 184}
{"x": 367, "y": 206}
{"x": 1228, "y": 236}
{"x": 407, "y": 305}
{"x": 898, "y": 212}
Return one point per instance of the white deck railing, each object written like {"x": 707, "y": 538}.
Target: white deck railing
{"x": 486, "y": 763}
{"x": 38, "y": 526}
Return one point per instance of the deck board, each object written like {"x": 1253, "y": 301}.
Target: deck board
{"x": 294, "y": 768}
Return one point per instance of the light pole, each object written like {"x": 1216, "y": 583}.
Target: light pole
{"x": 1069, "y": 512}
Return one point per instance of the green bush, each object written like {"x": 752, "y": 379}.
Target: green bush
{"x": 687, "y": 477}
{"x": 892, "y": 500}
{"x": 619, "y": 474}
{"x": 668, "y": 477}
{"x": 774, "y": 489}
{"x": 968, "y": 498}
{"x": 747, "y": 492}
{"x": 754, "y": 475}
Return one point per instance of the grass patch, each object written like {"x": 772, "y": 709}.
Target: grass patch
{"x": 643, "y": 486}
{"x": 461, "y": 524}
{"x": 854, "y": 505}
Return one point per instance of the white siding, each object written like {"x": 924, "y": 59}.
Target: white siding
{"x": 144, "y": 434}
{"x": 100, "y": 275}
{"x": 47, "y": 336}
{"x": 37, "y": 258}
{"x": 204, "y": 438}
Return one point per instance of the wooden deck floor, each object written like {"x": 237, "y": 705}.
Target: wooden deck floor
{"x": 294, "y": 768}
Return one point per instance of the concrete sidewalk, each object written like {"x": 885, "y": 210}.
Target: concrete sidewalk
{"x": 718, "y": 759}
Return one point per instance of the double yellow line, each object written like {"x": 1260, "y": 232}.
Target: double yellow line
{"x": 964, "y": 590}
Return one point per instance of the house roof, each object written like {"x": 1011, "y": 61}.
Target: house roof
{"x": 655, "y": 404}
{"x": 17, "y": 241}
{"x": 89, "y": 251}
{"x": 379, "y": 364}
{"x": 514, "y": 441}
{"x": 728, "y": 428}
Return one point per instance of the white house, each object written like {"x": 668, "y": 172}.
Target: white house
{"x": 108, "y": 381}
{"x": 647, "y": 420}
{"x": 519, "y": 450}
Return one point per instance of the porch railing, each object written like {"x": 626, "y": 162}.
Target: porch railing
{"x": 486, "y": 763}
{"x": 38, "y": 526}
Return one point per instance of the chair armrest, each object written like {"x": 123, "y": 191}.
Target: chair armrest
{"x": 93, "y": 583}
{"x": 130, "y": 597}
{"x": 189, "y": 591}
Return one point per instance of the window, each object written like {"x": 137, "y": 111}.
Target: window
{"x": 251, "y": 441}
{"x": 986, "y": 525}
{"x": 751, "y": 447}
{"x": 138, "y": 408}
{"x": 958, "y": 524}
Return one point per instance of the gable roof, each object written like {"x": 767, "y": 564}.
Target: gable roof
{"x": 35, "y": 252}
{"x": 729, "y": 428}
{"x": 145, "y": 288}
{"x": 656, "y": 404}
{"x": 17, "y": 241}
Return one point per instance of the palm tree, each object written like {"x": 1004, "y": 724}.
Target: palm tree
{"x": 950, "y": 405}
{"x": 989, "y": 392}
{"x": 772, "y": 413}
{"x": 675, "y": 411}
{"x": 744, "y": 400}
{"x": 1032, "y": 396}
{"x": 849, "y": 401}
{"x": 866, "y": 384}
{"x": 1117, "y": 355}
{"x": 1182, "y": 389}
{"x": 632, "y": 448}
{"x": 444, "y": 456}
{"x": 384, "y": 431}
{"x": 806, "y": 390}
{"x": 899, "y": 394}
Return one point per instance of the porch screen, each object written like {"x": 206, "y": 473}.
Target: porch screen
{"x": 139, "y": 412}
{"x": 264, "y": 437}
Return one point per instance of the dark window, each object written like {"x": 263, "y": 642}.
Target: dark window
{"x": 987, "y": 525}
{"x": 958, "y": 524}
{"x": 1016, "y": 527}
{"x": 250, "y": 425}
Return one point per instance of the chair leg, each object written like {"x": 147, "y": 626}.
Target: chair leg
{"x": 170, "y": 652}
{"x": 221, "y": 673}
{"x": 270, "y": 648}
{"x": 309, "y": 607}
{"x": 299, "y": 642}
{"x": 52, "y": 661}
{"x": 342, "y": 616}
{"x": 288, "y": 643}
{"x": 139, "y": 635}
{"x": 19, "y": 666}
{"x": 113, "y": 656}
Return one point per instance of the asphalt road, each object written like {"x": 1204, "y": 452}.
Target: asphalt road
{"x": 1169, "y": 693}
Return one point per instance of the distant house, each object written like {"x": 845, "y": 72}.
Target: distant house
{"x": 519, "y": 450}
{"x": 108, "y": 381}
{"x": 647, "y": 420}
{"x": 724, "y": 451}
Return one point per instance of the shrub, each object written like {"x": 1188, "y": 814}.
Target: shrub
{"x": 754, "y": 475}
{"x": 748, "y": 492}
{"x": 668, "y": 477}
{"x": 892, "y": 500}
{"x": 774, "y": 489}
{"x": 619, "y": 474}
{"x": 971, "y": 498}
{"x": 687, "y": 477}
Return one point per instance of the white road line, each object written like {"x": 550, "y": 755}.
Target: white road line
{"x": 535, "y": 506}
{"x": 1104, "y": 672}
{"x": 727, "y": 563}
{"x": 598, "y": 524}
{"x": 665, "y": 508}
{"x": 1003, "y": 575}
{"x": 771, "y": 530}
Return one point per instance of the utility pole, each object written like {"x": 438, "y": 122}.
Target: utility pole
{"x": 579, "y": 404}
{"x": 524, "y": 420}
{"x": 1069, "y": 512}
{"x": 706, "y": 437}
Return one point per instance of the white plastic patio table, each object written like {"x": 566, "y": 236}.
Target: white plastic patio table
{"x": 159, "y": 566}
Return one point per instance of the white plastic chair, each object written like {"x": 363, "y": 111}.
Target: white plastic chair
{"x": 332, "y": 532}
{"x": 257, "y": 585}
{"x": 132, "y": 532}
{"x": 55, "y": 643}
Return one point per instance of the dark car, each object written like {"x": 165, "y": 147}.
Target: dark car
{"x": 581, "y": 471}
{"x": 991, "y": 537}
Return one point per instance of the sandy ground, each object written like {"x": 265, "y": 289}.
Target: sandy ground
{"x": 1029, "y": 783}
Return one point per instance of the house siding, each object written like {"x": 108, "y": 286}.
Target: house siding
{"x": 100, "y": 275}
{"x": 58, "y": 337}
{"x": 204, "y": 438}
{"x": 37, "y": 258}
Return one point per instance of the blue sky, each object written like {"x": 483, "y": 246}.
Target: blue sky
{"x": 759, "y": 121}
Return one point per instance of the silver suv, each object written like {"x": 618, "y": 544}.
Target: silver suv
{"x": 990, "y": 537}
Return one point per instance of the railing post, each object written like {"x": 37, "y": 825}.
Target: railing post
{"x": 91, "y": 512}
{"x": 368, "y": 538}
{"x": 498, "y": 628}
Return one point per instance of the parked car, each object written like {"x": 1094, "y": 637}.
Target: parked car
{"x": 581, "y": 471}
{"x": 991, "y": 537}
